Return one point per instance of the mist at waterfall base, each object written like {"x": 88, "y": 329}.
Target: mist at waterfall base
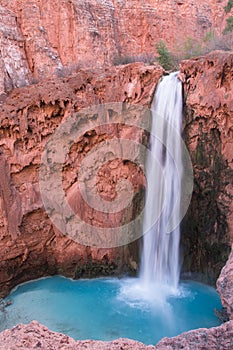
{"x": 155, "y": 304}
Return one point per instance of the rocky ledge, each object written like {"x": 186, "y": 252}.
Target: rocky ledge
{"x": 37, "y": 336}
{"x": 225, "y": 286}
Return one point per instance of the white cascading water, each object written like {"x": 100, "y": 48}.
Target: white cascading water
{"x": 160, "y": 255}
{"x": 159, "y": 272}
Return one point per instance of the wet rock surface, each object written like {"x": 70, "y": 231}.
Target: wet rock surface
{"x": 207, "y": 230}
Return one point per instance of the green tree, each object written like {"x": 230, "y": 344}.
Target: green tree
{"x": 229, "y": 6}
{"x": 191, "y": 48}
{"x": 209, "y": 37}
{"x": 229, "y": 26}
{"x": 164, "y": 58}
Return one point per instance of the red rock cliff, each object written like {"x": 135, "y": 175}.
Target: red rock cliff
{"x": 29, "y": 245}
{"x": 40, "y": 38}
{"x": 208, "y": 131}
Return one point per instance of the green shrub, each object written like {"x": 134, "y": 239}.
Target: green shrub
{"x": 229, "y": 6}
{"x": 209, "y": 37}
{"x": 188, "y": 48}
{"x": 229, "y": 26}
{"x": 224, "y": 43}
{"x": 164, "y": 58}
{"x": 143, "y": 57}
{"x": 122, "y": 60}
{"x": 191, "y": 48}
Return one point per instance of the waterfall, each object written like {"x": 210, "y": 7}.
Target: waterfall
{"x": 160, "y": 255}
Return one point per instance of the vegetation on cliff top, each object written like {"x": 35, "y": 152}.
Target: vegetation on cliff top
{"x": 229, "y": 6}
{"x": 229, "y": 26}
{"x": 189, "y": 48}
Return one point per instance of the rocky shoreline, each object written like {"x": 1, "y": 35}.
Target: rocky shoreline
{"x": 37, "y": 336}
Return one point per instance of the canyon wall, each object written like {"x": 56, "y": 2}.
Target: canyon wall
{"x": 30, "y": 245}
{"x": 46, "y": 47}
{"x": 208, "y": 133}
{"x": 53, "y": 37}
{"x": 40, "y": 39}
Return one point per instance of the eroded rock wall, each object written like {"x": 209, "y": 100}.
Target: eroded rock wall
{"x": 208, "y": 132}
{"x": 41, "y": 37}
{"x": 30, "y": 246}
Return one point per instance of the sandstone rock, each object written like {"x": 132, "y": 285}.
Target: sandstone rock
{"x": 35, "y": 335}
{"x": 225, "y": 286}
{"x": 208, "y": 125}
{"x": 214, "y": 338}
{"x": 57, "y": 36}
{"x": 30, "y": 246}
{"x": 13, "y": 62}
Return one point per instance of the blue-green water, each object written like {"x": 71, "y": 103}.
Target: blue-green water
{"x": 107, "y": 309}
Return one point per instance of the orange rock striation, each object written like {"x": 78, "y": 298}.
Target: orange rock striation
{"x": 40, "y": 38}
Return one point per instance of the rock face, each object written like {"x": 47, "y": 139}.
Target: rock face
{"x": 46, "y": 44}
{"x": 30, "y": 246}
{"x": 40, "y": 38}
{"x": 213, "y": 338}
{"x": 208, "y": 130}
{"x": 35, "y": 336}
{"x": 225, "y": 286}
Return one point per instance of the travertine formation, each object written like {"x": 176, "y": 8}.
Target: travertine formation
{"x": 208, "y": 133}
{"x": 30, "y": 246}
{"x": 46, "y": 44}
{"x": 36, "y": 336}
{"x": 40, "y": 38}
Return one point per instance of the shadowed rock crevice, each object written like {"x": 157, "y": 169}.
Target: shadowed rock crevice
{"x": 207, "y": 229}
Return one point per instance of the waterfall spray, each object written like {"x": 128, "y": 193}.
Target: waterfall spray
{"x": 160, "y": 255}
